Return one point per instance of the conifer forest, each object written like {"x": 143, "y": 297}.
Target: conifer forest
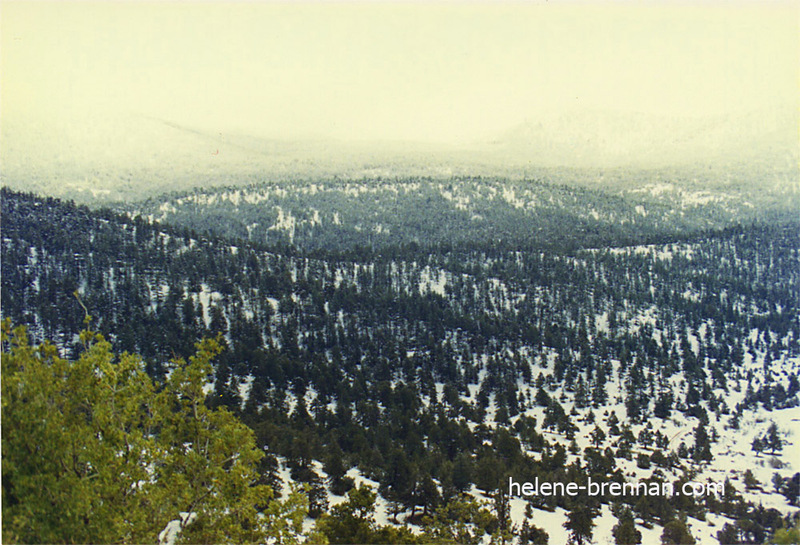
{"x": 390, "y": 389}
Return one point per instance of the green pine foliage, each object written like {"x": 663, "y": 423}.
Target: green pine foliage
{"x": 95, "y": 451}
{"x": 580, "y": 523}
{"x": 787, "y": 536}
{"x": 676, "y": 533}
{"x": 625, "y": 531}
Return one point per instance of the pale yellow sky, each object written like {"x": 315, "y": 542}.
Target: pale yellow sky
{"x": 444, "y": 71}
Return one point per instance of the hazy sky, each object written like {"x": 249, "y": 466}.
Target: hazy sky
{"x": 442, "y": 71}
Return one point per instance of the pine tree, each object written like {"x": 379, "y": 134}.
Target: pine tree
{"x": 676, "y": 533}
{"x": 702, "y": 444}
{"x": 625, "y": 531}
{"x": 728, "y": 534}
{"x": 757, "y": 445}
{"x": 427, "y": 495}
{"x": 462, "y": 520}
{"x": 773, "y": 440}
{"x": 94, "y": 452}
{"x": 462, "y": 472}
{"x": 352, "y": 521}
{"x": 334, "y": 467}
{"x": 530, "y": 534}
{"x": 598, "y": 436}
{"x": 750, "y": 481}
{"x": 580, "y": 523}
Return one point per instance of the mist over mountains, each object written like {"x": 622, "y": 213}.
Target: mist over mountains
{"x": 134, "y": 156}
{"x": 647, "y": 140}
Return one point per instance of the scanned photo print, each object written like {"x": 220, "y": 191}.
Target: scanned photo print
{"x": 400, "y": 272}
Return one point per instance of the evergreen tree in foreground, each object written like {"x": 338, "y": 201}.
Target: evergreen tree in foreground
{"x": 95, "y": 452}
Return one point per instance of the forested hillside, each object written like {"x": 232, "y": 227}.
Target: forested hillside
{"x": 473, "y": 212}
{"x": 435, "y": 340}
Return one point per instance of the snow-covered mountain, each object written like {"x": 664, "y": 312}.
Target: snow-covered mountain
{"x": 431, "y": 372}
